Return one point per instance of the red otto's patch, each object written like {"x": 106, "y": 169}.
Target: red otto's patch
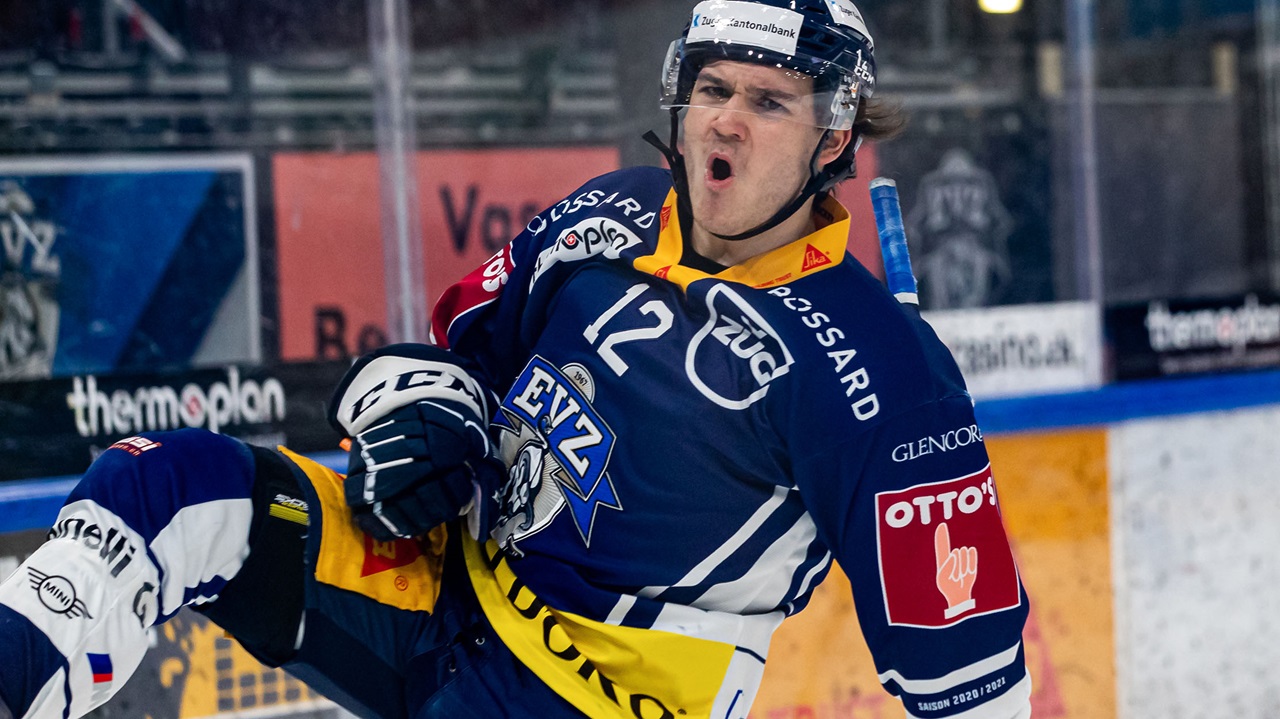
{"x": 383, "y": 556}
{"x": 135, "y": 445}
{"x": 944, "y": 555}
{"x": 813, "y": 258}
{"x": 477, "y": 289}
{"x": 665, "y": 216}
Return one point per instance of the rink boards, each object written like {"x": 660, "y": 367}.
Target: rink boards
{"x": 1148, "y": 549}
{"x": 1147, "y": 544}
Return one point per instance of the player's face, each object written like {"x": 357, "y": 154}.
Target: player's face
{"x": 748, "y": 138}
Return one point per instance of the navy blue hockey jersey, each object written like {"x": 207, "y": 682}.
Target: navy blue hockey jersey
{"x": 689, "y": 452}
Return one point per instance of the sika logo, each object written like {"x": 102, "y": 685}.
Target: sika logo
{"x": 814, "y": 258}
{"x": 665, "y": 216}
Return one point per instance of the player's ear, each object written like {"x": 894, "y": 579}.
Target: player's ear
{"x": 834, "y": 145}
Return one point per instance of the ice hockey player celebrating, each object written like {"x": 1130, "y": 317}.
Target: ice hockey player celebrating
{"x": 704, "y": 402}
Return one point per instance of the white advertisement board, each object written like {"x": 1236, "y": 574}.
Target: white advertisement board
{"x": 1024, "y": 349}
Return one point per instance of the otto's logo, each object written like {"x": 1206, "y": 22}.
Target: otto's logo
{"x": 596, "y": 236}
{"x": 58, "y": 594}
{"x": 147, "y": 409}
{"x": 737, "y": 354}
{"x": 557, "y": 447}
{"x": 946, "y": 442}
{"x": 944, "y": 556}
{"x": 112, "y": 546}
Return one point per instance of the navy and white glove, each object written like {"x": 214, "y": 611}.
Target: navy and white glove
{"x": 420, "y": 452}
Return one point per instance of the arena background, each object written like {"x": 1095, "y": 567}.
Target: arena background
{"x": 196, "y": 197}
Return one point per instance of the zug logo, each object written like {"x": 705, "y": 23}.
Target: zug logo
{"x": 736, "y": 326}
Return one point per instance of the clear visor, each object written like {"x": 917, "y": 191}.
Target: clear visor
{"x": 785, "y": 96}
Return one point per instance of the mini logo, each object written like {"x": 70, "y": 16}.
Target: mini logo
{"x": 57, "y": 594}
{"x": 135, "y": 445}
{"x": 944, "y": 555}
{"x": 814, "y": 258}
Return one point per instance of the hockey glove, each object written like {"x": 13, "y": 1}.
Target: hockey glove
{"x": 420, "y": 452}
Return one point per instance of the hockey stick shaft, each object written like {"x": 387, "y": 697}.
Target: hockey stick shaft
{"x": 893, "y": 241}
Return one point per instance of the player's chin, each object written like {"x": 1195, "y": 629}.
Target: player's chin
{"x": 723, "y": 222}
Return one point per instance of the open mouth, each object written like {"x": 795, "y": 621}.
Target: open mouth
{"x": 719, "y": 170}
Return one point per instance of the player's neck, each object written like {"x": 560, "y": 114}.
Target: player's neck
{"x": 730, "y": 253}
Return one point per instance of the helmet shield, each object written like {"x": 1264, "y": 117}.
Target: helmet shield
{"x": 833, "y": 108}
{"x": 828, "y": 43}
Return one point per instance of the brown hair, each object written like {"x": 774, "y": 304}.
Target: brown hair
{"x": 878, "y": 119}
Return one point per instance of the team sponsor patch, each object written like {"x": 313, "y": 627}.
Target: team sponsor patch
{"x": 944, "y": 556}
{"x": 736, "y": 355}
{"x": 475, "y": 290}
{"x": 729, "y": 21}
{"x": 58, "y": 594}
{"x": 594, "y": 236}
{"x": 847, "y": 14}
{"x": 135, "y": 445}
{"x": 814, "y": 258}
{"x": 112, "y": 544}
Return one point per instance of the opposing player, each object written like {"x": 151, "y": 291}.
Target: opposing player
{"x": 705, "y": 401}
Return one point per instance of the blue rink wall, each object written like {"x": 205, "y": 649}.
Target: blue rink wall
{"x": 1191, "y": 504}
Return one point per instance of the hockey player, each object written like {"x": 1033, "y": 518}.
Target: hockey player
{"x": 704, "y": 402}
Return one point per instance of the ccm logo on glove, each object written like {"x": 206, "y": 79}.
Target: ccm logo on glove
{"x": 389, "y": 382}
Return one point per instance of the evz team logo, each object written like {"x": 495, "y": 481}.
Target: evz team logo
{"x": 557, "y": 448}
{"x": 756, "y": 355}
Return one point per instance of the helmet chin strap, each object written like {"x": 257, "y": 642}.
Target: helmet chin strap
{"x": 821, "y": 180}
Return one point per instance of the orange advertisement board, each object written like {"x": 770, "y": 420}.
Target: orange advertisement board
{"x": 332, "y": 295}
{"x": 1053, "y": 495}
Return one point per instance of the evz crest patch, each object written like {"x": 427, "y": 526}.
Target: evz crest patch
{"x": 557, "y": 448}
